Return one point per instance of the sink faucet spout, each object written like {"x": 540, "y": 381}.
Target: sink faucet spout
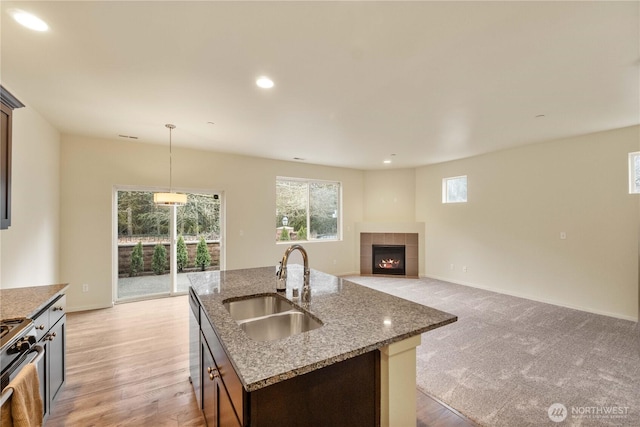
{"x": 282, "y": 272}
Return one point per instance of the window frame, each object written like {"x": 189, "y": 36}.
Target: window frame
{"x": 307, "y": 207}
{"x": 173, "y": 235}
{"x": 445, "y": 193}
{"x": 633, "y": 177}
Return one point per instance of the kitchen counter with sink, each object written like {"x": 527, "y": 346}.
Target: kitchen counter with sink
{"x": 345, "y": 320}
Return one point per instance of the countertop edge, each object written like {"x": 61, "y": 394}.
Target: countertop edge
{"x": 336, "y": 359}
{"x": 52, "y": 297}
{"x": 28, "y": 301}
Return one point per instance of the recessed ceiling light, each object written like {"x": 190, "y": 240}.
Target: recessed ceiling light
{"x": 264, "y": 82}
{"x": 29, "y": 20}
{"x": 386, "y": 162}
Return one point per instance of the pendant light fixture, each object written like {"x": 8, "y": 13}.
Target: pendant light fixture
{"x": 170, "y": 198}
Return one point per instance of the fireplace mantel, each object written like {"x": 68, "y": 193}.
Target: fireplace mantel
{"x": 408, "y": 240}
{"x": 417, "y": 251}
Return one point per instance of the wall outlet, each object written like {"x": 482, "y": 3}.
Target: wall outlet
{"x": 563, "y": 235}
{"x": 464, "y": 268}
{"x": 85, "y": 287}
{"x": 452, "y": 267}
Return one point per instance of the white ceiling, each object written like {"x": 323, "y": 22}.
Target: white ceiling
{"x": 354, "y": 81}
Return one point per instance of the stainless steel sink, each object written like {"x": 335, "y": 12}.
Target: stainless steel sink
{"x": 278, "y": 326}
{"x": 258, "y": 306}
{"x": 270, "y": 317}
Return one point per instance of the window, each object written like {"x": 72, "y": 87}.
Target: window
{"x": 307, "y": 210}
{"x": 634, "y": 173}
{"x": 454, "y": 190}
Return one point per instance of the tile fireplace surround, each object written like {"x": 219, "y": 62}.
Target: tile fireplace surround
{"x": 410, "y": 240}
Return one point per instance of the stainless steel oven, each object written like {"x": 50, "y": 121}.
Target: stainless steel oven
{"x": 17, "y": 348}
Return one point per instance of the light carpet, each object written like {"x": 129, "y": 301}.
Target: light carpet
{"x": 507, "y": 360}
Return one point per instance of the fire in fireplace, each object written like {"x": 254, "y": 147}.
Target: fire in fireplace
{"x": 388, "y": 259}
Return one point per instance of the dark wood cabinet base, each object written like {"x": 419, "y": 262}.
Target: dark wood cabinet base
{"x": 344, "y": 394}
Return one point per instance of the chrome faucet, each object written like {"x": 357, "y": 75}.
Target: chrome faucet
{"x": 282, "y": 273}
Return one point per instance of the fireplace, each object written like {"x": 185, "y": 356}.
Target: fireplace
{"x": 409, "y": 259}
{"x": 388, "y": 259}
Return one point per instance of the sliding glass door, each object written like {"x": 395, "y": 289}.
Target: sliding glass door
{"x": 157, "y": 247}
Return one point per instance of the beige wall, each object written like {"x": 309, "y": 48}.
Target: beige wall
{"x": 29, "y": 253}
{"x": 389, "y": 207}
{"x": 91, "y": 168}
{"x": 520, "y": 200}
{"x": 389, "y": 195}
{"x": 507, "y": 234}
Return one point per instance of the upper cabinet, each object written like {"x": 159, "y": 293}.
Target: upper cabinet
{"x": 8, "y": 103}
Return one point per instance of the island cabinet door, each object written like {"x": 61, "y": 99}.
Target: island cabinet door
{"x": 345, "y": 394}
{"x": 216, "y": 404}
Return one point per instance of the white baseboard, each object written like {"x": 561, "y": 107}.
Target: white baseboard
{"x": 72, "y": 309}
{"x": 348, "y": 273}
{"x": 532, "y": 298}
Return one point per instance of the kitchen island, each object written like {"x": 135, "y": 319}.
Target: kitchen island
{"x": 356, "y": 321}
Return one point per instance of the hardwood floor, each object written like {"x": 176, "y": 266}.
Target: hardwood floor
{"x": 433, "y": 413}
{"x": 128, "y": 366}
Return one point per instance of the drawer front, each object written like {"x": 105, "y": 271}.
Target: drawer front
{"x": 42, "y": 324}
{"x": 227, "y": 372}
{"x": 57, "y": 309}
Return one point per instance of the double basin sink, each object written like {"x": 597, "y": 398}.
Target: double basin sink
{"x": 270, "y": 317}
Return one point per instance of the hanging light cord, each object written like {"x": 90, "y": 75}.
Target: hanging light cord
{"x": 171, "y": 127}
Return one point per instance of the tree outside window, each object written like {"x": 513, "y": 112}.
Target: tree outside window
{"x": 139, "y": 216}
{"x": 307, "y": 209}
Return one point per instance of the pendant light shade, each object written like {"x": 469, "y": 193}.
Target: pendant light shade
{"x": 170, "y": 198}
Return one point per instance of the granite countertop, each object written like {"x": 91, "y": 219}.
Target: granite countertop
{"x": 356, "y": 320}
{"x": 27, "y": 302}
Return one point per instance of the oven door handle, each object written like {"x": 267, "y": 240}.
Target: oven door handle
{"x": 8, "y": 391}
{"x": 40, "y": 350}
